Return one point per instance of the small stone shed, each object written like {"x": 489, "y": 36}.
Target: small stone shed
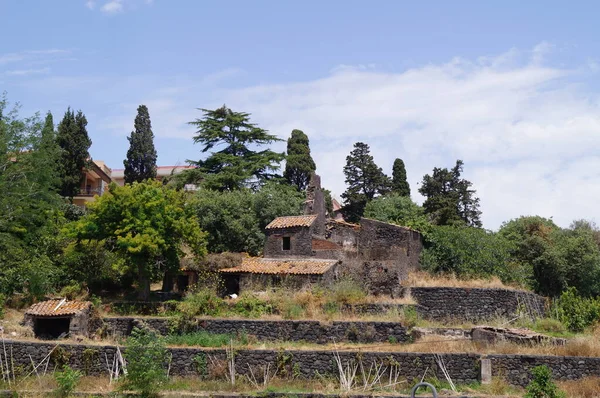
{"x": 58, "y": 318}
{"x": 290, "y": 236}
{"x": 255, "y": 274}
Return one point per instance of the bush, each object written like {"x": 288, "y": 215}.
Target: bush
{"x": 146, "y": 355}
{"x": 549, "y": 325}
{"x": 251, "y": 306}
{"x": 576, "y": 312}
{"x": 67, "y": 380}
{"x": 2, "y": 302}
{"x": 542, "y": 385}
{"x": 347, "y": 291}
{"x": 201, "y": 302}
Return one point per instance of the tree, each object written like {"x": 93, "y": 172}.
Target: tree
{"x": 149, "y": 223}
{"x": 399, "y": 183}
{"x": 397, "y": 209}
{"x": 73, "y": 139}
{"x": 140, "y": 164}
{"x": 276, "y": 199}
{"x": 542, "y": 385}
{"x": 236, "y": 165}
{"x": 146, "y": 355}
{"x": 364, "y": 179}
{"x": 449, "y": 199}
{"x": 299, "y": 164}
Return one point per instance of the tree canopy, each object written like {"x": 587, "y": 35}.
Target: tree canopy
{"x": 73, "y": 139}
{"x": 364, "y": 179}
{"x": 299, "y": 164}
{"x": 237, "y": 164}
{"x": 150, "y": 225}
{"x": 449, "y": 199}
{"x": 398, "y": 209}
{"x": 140, "y": 163}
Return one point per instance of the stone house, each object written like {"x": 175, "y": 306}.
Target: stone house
{"x": 377, "y": 254}
{"x": 52, "y": 319}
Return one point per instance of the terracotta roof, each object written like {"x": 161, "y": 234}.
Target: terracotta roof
{"x": 291, "y": 221}
{"x": 49, "y": 308}
{"x": 255, "y": 265}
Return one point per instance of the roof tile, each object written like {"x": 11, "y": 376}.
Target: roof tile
{"x": 292, "y": 221}
{"x": 255, "y": 265}
{"x": 49, "y": 308}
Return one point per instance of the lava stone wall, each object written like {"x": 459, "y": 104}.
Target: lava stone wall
{"x": 285, "y": 330}
{"x": 441, "y": 303}
{"x": 301, "y": 242}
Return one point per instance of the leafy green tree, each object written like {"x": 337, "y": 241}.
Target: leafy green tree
{"x": 237, "y": 164}
{"x": 274, "y": 200}
{"x": 364, "y": 179}
{"x": 149, "y": 224}
{"x": 146, "y": 354}
{"x": 399, "y": 183}
{"x": 542, "y": 385}
{"x": 470, "y": 252}
{"x": 140, "y": 164}
{"x": 299, "y": 164}
{"x": 29, "y": 203}
{"x": 398, "y": 209}
{"x": 449, "y": 199}
{"x": 73, "y": 139}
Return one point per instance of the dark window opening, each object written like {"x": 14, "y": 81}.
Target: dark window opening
{"x": 51, "y": 328}
{"x": 287, "y": 243}
{"x": 232, "y": 284}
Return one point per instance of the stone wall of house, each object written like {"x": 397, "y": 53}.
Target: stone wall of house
{"x": 271, "y": 330}
{"x": 301, "y": 242}
{"x": 462, "y": 368}
{"x": 441, "y": 303}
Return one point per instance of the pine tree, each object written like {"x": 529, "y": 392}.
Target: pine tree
{"x": 236, "y": 165}
{"x": 450, "y": 199}
{"x": 364, "y": 179}
{"x": 299, "y": 164}
{"x": 399, "y": 183}
{"x": 140, "y": 164}
{"x": 73, "y": 139}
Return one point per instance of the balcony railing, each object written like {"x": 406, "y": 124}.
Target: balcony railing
{"x": 90, "y": 191}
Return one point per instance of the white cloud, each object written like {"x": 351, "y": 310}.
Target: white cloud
{"x": 113, "y": 7}
{"x": 25, "y": 72}
{"x": 91, "y": 4}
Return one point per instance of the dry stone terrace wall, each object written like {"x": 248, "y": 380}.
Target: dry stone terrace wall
{"x": 441, "y": 303}
{"x": 285, "y": 330}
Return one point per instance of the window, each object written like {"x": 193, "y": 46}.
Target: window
{"x": 287, "y": 243}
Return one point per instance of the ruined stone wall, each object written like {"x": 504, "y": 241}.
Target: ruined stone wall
{"x": 301, "y": 242}
{"x": 269, "y": 330}
{"x": 261, "y": 282}
{"x": 441, "y": 303}
{"x": 343, "y": 234}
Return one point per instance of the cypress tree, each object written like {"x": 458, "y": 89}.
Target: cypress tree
{"x": 73, "y": 139}
{"x": 140, "y": 164}
{"x": 399, "y": 183}
{"x": 365, "y": 180}
{"x": 299, "y": 164}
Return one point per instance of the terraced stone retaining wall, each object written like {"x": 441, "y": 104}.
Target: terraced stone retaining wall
{"x": 441, "y": 303}
{"x": 284, "y": 330}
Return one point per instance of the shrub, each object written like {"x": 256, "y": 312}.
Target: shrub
{"x": 2, "y": 302}
{"x": 347, "y": 291}
{"x": 201, "y": 302}
{"x": 542, "y": 385}
{"x": 252, "y": 306}
{"x": 146, "y": 355}
{"x": 550, "y": 325}
{"x": 67, "y": 380}
{"x": 576, "y": 312}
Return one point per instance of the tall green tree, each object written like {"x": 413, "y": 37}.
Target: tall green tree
{"x": 396, "y": 209}
{"x": 449, "y": 199}
{"x": 237, "y": 164}
{"x": 364, "y": 179}
{"x": 73, "y": 139}
{"x": 299, "y": 164}
{"x": 29, "y": 204}
{"x": 149, "y": 224}
{"x": 140, "y": 164}
{"x": 399, "y": 182}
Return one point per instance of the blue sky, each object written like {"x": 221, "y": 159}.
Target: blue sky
{"x": 509, "y": 87}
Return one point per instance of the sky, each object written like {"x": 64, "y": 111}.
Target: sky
{"x": 510, "y": 87}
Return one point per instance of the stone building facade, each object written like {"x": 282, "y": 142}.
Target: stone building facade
{"x": 52, "y": 319}
{"x": 378, "y": 254}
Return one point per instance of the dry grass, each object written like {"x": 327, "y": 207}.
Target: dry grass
{"x": 588, "y": 387}
{"x": 425, "y": 279}
{"x": 12, "y": 325}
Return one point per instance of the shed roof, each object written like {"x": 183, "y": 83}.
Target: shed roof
{"x": 292, "y": 221}
{"x": 255, "y": 265}
{"x": 57, "y": 308}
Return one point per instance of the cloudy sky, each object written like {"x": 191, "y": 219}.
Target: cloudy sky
{"x": 512, "y": 89}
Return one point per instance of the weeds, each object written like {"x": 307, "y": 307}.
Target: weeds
{"x": 66, "y": 380}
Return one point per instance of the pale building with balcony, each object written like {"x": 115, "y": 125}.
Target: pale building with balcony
{"x": 95, "y": 181}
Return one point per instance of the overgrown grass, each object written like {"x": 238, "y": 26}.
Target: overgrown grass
{"x": 205, "y": 339}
